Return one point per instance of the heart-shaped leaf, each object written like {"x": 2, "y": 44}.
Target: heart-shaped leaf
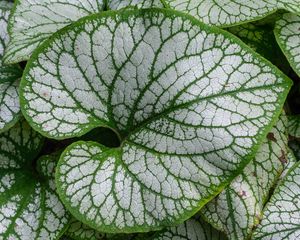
{"x": 9, "y": 77}
{"x": 281, "y": 214}
{"x": 192, "y": 229}
{"x": 287, "y": 32}
{"x": 227, "y": 13}
{"x": 117, "y": 4}
{"x": 29, "y": 207}
{"x": 190, "y": 103}
{"x": 239, "y": 207}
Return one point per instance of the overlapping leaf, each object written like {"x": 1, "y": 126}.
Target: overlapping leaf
{"x": 239, "y": 207}
{"x": 9, "y": 75}
{"x": 294, "y": 126}
{"x": 282, "y": 212}
{"x": 190, "y": 104}
{"x": 32, "y": 22}
{"x": 287, "y": 32}
{"x": 29, "y": 208}
{"x": 79, "y": 231}
{"x": 193, "y": 229}
{"x": 227, "y": 13}
{"x": 262, "y": 40}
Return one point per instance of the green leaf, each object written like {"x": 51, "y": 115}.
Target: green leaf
{"x": 29, "y": 207}
{"x": 32, "y": 22}
{"x": 239, "y": 207}
{"x": 262, "y": 40}
{"x": 192, "y": 229}
{"x": 281, "y": 214}
{"x": 294, "y": 126}
{"x": 228, "y": 13}
{"x": 287, "y": 32}
{"x": 117, "y": 4}
{"x": 79, "y": 231}
{"x": 9, "y": 77}
{"x": 188, "y": 120}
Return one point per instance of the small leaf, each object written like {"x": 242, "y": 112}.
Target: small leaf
{"x": 187, "y": 119}
{"x": 192, "y": 229}
{"x": 228, "y": 13}
{"x": 29, "y": 208}
{"x": 287, "y": 32}
{"x": 281, "y": 214}
{"x": 239, "y": 207}
{"x": 9, "y": 77}
{"x": 117, "y": 4}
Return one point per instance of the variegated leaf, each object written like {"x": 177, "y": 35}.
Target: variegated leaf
{"x": 227, "y": 12}
{"x": 188, "y": 120}
{"x": 239, "y": 207}
{"x": 9, "y": 77}
{"x": 192, "y": 229}
{"x": 282, "y": 212}
{"x": 29, "y": 207}
{"x": 287, "y": 32}
{"x": 117, "y": 4}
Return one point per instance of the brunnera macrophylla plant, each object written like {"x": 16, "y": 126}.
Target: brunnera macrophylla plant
{"x": 201, "y": 141}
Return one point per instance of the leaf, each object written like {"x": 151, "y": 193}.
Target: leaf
{"x": 29, "y": 208}
{"x": 229, "y": 13}
{"x": 262, "y": 40}
{"x": 188, "y": 122}
{"x": 79, "y": 231}
{"x": 32, "y": 22}
{"x": 287, "y": 33}
{"x": 281, "y": 214}
{"x": 294, "y": 126}
{"x": 9, "y": 77}
{"x": 117, "y": 4}
{"x": 192, "y": 229}
{"x": 239, "y": 207}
